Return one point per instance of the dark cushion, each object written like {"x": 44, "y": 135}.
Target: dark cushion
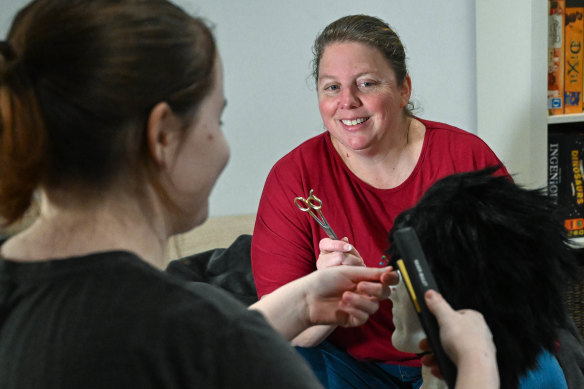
{"x": 227, "y": 268}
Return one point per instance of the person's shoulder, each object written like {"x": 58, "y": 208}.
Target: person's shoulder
{"x": 452, "y": 149}
{"x": 204, "y": 314}
{"x": 200, "y": 296}
{"x": 444, "y": 129}
{"x": 443, "y": 132}
{"x": 166, "y": 295}
{"x": 194, "y": 312}
{"x": 174, "y": 297}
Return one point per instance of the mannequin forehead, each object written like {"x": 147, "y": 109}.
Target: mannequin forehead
{"x": 408, "y": 329}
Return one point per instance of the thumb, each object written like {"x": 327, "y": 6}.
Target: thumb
{"x": 438, "y": 306}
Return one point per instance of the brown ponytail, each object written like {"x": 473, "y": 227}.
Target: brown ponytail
{"x": 23, "y": 148}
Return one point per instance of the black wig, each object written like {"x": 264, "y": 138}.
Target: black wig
{"x": 502, "y": 250}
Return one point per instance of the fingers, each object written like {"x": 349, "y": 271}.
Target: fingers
{"x": 435, "y": 370}
{"x": 351, "y": 260}
{"x": 438, "y": 306}
{"x": 329, "y": 245}
{"x": 385, "y": 275}
{"x": 431, "y": 361}
{"x": 360, "y": 302}
{"x": 390, "y": 278}
{"x": 353, "y": 250}
{"x": 373, "y": 282}
{"x": 347, "y": 295}
{"x": 463, "y": 333}
{"x": 336, "y": 259}
{"x": 357, "y": 308}
{"x": 425, "y": 345}
{"x": 375, "y": 290}
{"x": 337, "y": 252}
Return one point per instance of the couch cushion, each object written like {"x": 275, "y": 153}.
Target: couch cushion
{"x": 228, "y": 268}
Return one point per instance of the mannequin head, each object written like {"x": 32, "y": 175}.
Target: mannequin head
{"x": 501, "y": 250}
{"x": 408, "y": 330}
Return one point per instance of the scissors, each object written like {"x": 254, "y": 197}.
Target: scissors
{"x": 311, "y": 204}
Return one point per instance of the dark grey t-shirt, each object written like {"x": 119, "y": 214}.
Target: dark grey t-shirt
{"x": 110, "y": 320}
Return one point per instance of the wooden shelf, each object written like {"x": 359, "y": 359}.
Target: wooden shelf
{"x": 573, "y": 118}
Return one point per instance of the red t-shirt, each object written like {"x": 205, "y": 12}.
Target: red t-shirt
{"x": 285, "y": 240}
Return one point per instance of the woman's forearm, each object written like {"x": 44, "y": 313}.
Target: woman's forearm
{"x": 285, "y": 309}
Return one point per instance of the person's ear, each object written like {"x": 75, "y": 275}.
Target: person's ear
{"x": 161, "y": 131}
{"x": 406, "y": 91}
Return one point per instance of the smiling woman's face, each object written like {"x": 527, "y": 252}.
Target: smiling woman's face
{"x": 408, "y": 330}
{"x": 359, "y": 97}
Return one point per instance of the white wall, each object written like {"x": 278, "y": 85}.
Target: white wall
{"x": 512, "y": 85}
{"x": 266, "y": 49}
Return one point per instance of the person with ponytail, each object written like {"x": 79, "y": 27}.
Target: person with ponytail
{"x": 110, "y": 119}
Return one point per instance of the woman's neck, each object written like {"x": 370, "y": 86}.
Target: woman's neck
{"x": 389, "y": 162}
{"x": 65, "y": 229}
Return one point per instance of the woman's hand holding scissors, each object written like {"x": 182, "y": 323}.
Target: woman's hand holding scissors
{"x": 337, "y": 252}
{"x": 333, "y": 252}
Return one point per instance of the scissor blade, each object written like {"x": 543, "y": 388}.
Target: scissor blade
{"x": 331, "y": 234}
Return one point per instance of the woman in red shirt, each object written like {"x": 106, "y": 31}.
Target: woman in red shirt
{"x": 375, "y": 160}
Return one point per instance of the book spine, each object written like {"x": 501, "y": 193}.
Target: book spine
{"x": 554, "y": 167}
{"x": 566, "y": 177}
{"x": 556, "y": 57}
{"x": 573, "y": 55}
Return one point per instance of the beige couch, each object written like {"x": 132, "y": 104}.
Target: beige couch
{"x": 216, "y": 232}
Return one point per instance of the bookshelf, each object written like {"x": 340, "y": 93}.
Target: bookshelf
{"x": 563, "y": 122}
{"x": 562, "y": 119}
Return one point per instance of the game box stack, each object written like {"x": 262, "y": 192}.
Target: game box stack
{"x": 566, "y": 175}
